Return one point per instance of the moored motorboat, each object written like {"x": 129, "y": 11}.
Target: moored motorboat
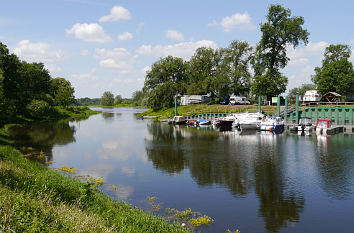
{"x": 178, "y": 120}
{"x": 322, "y": 126}
{"x": 275, "y": 124}
{"x": 248, "y": 121}
{"x": 305, "y": 124}
{"x": 203, "y": 122}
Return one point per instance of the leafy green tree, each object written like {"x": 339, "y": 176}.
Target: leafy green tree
{"x": 62, "y": 91}
{"x": 301, "y": 90}
{"x": 38, "y": 108}
{"x": 24, "y": 82}
{"x": 336, "y": 73}
{"x": 138, "y": 98}
{"x": 118, "y": 100}
{"x": 165, "y": 70}
{"x": 163, "y": 96}
{"x": 166, "y": 78}
{"x": 279, "y": 31}
{"x": 107, "y": 99}
{"x": 236, "y": 64}
{"x": 202, "y": 71}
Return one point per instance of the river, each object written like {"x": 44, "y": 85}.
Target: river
{"x": 254, "y": 182}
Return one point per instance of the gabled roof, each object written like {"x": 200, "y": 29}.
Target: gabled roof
{"x": 331, "y": 94}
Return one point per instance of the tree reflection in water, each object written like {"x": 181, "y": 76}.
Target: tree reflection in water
{"x": 43, "y": 136}
{"x": 240, "y": 163}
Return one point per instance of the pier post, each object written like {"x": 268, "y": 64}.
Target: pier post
{"x": 286, "y": 108}
{"x": 175, "y": 105}
{"x": 278, "y": 106}
{"x": 351, "y": 116}
{"x": 259, "y": 104}
{"x": 336, "y": 116}
{"x": 297, "y": 109}
{"x": 343, "y": 116}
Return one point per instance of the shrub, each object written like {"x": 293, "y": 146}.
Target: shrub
{"x": 38, "y": 108}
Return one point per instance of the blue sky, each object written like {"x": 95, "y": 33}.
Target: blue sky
{"x": 109, "y": 45}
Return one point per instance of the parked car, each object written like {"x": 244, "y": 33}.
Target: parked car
{"x": 224, "y": 101}
{"x": 238, "y": 100}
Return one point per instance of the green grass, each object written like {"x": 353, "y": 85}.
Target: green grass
{"x": 188, "y": 110}
{"x": 34, "y": 198}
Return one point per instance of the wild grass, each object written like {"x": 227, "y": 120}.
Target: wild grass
{"x": 34, "y": 198}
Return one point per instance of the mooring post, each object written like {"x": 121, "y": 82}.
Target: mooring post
{"x": 297, "y": 109}
{"x": 278, "y": 106}
{"x": 259, "y": 104}
{"x": 286, "y": 109}
{"x": 336, "y": 117}
{"x": 175, "y": 105}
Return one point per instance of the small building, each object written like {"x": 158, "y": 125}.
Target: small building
{"x": 312, "y": 96}
{"x": 194, "y": 99}
{"x": 331, "y": 97}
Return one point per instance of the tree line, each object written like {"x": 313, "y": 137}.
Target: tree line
{"x": 242, "y": 69}
{"x": 28, "y": 90}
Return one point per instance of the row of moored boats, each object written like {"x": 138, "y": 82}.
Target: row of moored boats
{"x": 243, "y": 121}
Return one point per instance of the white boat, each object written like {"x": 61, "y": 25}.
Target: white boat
{"x": 226, "y": 121}
{"x": 275, "y": 124}
{"x": 249, "y": 120}
{"x": 305, "y": 124}
{"x": 178, "y": 120}
{"x": 322, "y": 126}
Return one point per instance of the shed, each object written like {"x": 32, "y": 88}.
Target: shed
{"x": 331, "y": 97}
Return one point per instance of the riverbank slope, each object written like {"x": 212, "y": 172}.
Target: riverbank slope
{"x": 35, "y": 198}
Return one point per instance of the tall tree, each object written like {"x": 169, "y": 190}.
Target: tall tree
{"x": 118, "y": 100}
{"x": 336, "y": 73}
{"x": 202, "y": 71}
{"x": 62, "y": 92}
{"x": 279, "y": 31}
{"x": 236, "y": 63}
{"x": 166, "y": 78}
{"x": 107, "y": 99}
{"x": 164, "y": 70}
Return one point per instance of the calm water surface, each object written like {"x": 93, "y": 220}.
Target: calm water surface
{"x": 250, "y": 181}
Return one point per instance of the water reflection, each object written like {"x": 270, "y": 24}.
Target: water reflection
{"x": 239, "y": 161}
{"x": 43, "y": 136}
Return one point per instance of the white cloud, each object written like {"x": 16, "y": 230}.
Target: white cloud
{"x": 184, "y": 50}
{"x": 241, "y": 21}
{"x": 174, "y": 35}
{"x": 303, "y": 55}
{"x": 213, "y": 23}
{"x": 53, "y": 68}
{"x": 89, "y": 33}
{"x": 37, "y": 52}
{"x": 118, "y": 59}
{"x": 139, "y": 28}
{"x": 125, "y": 36}
{"x": 129, "y": 171}
{"x": 117, "y": 13}
{"x": 145, "y": 69}
{"x": 85, "y": 52}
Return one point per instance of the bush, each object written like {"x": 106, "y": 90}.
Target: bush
{"x": 38, "y": 108}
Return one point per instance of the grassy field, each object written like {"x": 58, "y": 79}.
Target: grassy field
{"x": 34, "y": 198}
{"x": 189, "y": 110}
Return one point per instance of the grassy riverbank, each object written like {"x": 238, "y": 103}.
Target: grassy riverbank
{"x": 34, "y": 198}
{"x": 188, "y": 110}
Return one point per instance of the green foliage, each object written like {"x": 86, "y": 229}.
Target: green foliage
{"x": 38, "y": 109}
{"x": 336, "y": 73}
{"x": 62, "y": 91}
{"x": 163, "y": 95}
{"x": 107, "y": 99}
{"x": 118, "y": 100}
{"x": 269, "y": 84}
{"x": 301, "y": 90}
{"x": 88, "y": 101}
{"x": 139, "y": 98}
{"x": 279, "y": 31}
{"x": 235, "y": 63}
{"x": 202, "y": 71}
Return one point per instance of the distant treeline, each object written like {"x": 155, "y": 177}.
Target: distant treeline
{"x": 27, "y": 90}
